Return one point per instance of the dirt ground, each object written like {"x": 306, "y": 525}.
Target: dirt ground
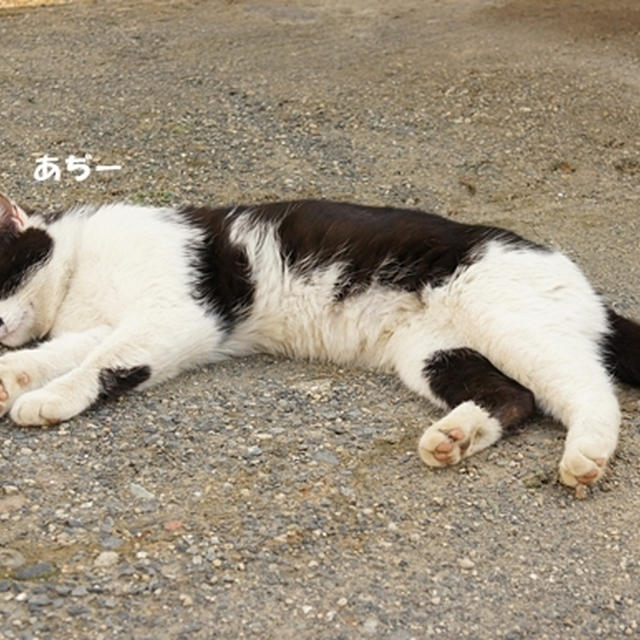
{"x": 269, "y": 499}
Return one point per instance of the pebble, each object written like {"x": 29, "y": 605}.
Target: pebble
{"x": 370, "y": 626}
{"x": 39, "y": 600}
{"x": 322, "y": 455}
{"x": 466, "y": 563}
{"x": 35, "y": 571}
{"x": 111, "y": 542}
{"x": 11, "y": 559}
{"x": 77, "y": 610}
{"x": 186, "y": 600}
{"x": 106, "y": 559}
{"x": 173, "y": 525}
{"x": 138, "y": 491}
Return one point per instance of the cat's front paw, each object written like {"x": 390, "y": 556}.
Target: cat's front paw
{"x": 41, "y": 408}
{"x": 583, "y": 462}
{"x": 14, "y": 381}
{"x": 464, "y": 431}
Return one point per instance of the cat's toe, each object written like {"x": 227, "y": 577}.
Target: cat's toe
{"x": 9, "y": 390}
{"x": 440, "y": 448}
{"x": 580, "y": 465}
{"x": 465, "y": 430}
{"x": 4, "y": 398}
{"x": 13, "y": 383}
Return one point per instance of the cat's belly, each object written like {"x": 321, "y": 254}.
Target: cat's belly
{"x": 361, "y": 329}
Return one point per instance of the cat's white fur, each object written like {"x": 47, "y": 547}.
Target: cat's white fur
{"x": 532, "y": 313}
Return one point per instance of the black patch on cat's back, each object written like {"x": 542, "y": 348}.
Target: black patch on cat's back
{"x": 116, "y": 381}
{"x": 401, "y": 248}
{"x": 21, "y": 253}
{"x": 223, "y": 281}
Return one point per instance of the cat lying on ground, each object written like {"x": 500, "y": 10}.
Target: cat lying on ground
{"x": 474, "y": 318}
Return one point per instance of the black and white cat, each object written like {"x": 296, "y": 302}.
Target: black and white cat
{"x": 474, "y": 318}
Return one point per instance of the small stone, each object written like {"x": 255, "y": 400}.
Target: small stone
{"x": 370, "y": 626}
{"x": 322, "y": 455}
{"x": 173, "y": 525}
{"x": 77, "y": 610}
{"x": 106, "y": 559}
{"x": 342, "y": 602}
{"x": 75, "y": 523}
{"x": 78, "y": 592}
{"x": 138, "y": 491}
{"x": 466, "y": 563}
{"x": 581, "y": 491}
{"x": 35, "y": 571}
{"x": 111, "y": 542}
{"x": 171, "y": 571}
{"x": 306, "y": 609}
{"x": 39, "y": 600}
{"x": 11, "y": 559}
{"x": 186, "y": 600}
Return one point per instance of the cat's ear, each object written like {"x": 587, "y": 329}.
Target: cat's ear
{"x": 12, "y": 217}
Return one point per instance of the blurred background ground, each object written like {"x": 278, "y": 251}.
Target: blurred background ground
{"x": 269, "y": 499}
{"x": 12, "y": 4}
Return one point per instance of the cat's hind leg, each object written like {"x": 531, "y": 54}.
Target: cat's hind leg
{"x": 536, "y": 317}
{"x": 572, "y": 384}
{"x": 485, "y": 404}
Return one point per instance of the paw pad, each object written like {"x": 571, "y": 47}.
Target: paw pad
{"x": 23, "y": 379}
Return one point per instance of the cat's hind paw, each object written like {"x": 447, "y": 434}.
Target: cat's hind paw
{"x": 464, "y": 431}
{"x": 582, "y": 463}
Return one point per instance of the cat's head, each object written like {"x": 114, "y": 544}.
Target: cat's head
{"x": 24, "y": 250}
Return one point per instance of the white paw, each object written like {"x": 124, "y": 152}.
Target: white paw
{"x": 583, "y": 462}
{"x": 14, "y": 381}
{"x": 41, "y": 408}
{"x": 466, "y": 430}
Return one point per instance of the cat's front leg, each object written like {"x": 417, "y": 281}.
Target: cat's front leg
{"x": 27, "y": 369}
{"x": 132, "y": 355}
{"x": 57, "y": 401}
{"x": 73, "y": 392}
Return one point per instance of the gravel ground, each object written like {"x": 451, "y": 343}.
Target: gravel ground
{"x": 269, "y": 499}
